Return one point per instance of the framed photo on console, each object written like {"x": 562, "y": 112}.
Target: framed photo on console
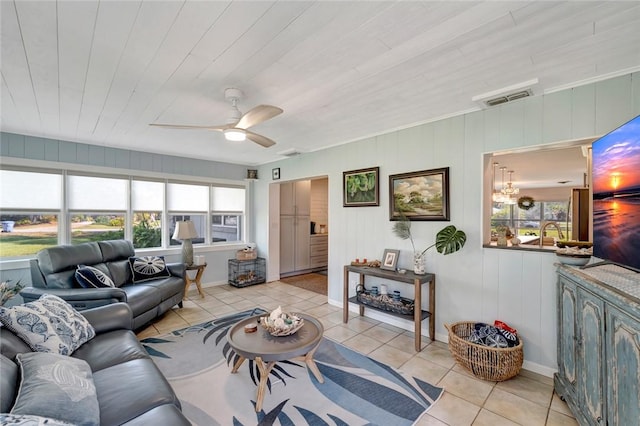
{"x": 390, "y": 259}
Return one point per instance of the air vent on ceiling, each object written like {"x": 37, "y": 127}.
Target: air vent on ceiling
{"x": 292, "y": 152}
{"x": 506, "y": 94}
{"x": 508, "y": 98}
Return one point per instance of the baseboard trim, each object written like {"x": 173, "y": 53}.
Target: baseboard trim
{"x": 444, "y": 338}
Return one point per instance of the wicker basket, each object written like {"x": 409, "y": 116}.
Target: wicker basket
{"x": 246, "y": 255}
{"x": 484, "y": 362}
{"x": 403, "y": 306}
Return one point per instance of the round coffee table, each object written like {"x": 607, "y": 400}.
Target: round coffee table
{"x": 265, "y": 348}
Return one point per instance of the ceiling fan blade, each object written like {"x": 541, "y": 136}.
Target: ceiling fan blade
{"x": 181, "y": 126}
{"x": 259, "y": 139}
{"x": 257, "y": 115}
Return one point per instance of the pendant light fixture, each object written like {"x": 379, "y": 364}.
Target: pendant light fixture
{"x": 509, "y": 191}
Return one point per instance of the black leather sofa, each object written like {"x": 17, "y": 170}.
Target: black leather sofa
{"x": 53, "y": 271}
{"x": 130, "y": 388}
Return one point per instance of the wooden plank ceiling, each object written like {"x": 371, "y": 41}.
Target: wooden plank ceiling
{"x": 100, "y": 72}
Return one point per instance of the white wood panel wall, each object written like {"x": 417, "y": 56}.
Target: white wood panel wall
{"x": 474, "y": 284}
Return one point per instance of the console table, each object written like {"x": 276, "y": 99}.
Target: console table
{"x": 599, "y": 344}
{"x": 408, "y": 278}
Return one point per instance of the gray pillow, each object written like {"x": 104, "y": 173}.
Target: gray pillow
{"x": 48, "y": 325}
{"x": 58, "y": 387}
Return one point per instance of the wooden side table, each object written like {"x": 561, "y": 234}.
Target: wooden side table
{"x": 188, "y": 281}
{"x": 409, "y": 278}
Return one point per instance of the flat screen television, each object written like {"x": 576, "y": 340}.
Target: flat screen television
{"x": 616, "y": 196}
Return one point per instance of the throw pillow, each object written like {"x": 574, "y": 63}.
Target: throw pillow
{"x": 90, "y": 277}
{"x": 58, "y": 387}
{"x": 48, "y": 324}
{"x": 29, "y": 420}
{"x": 488, "y": 335}
{"x": 145, "y": 268}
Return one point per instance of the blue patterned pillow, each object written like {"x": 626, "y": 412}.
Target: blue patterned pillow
{"x": 145, "y": 268}
{"x": 488, "y": 335}
{"x": 90, "y": 277}
{"x": 48, "y": 325}
{"x": 58, "y": 387}
{"x": 30, "y": 420}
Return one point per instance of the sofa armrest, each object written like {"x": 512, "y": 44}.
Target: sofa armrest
{"x": 79, "y": 298}
{"x": 176, "y": 269}
{"x": 116, "y": 316}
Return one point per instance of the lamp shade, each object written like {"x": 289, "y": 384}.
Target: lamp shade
{"x": 185, "y": 230}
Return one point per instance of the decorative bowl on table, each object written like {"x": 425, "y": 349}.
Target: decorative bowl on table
{"x": 576, "y": 244}
{"x": 280, "y": 323}
{"x": 574, "y": 256}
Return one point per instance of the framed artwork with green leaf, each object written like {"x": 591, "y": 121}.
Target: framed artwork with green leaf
{"x": 361, "y": 187}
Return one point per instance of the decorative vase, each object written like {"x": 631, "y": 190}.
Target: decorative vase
{"x": 419, "y": 261}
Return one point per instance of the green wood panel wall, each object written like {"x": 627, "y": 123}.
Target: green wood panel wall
{"x": 44, "y": 149}
{"x": 511, "y": 125}
{"x": 583, "y": 112}
{"x": 557, "y": 117}
{"x": 533, "y": 121}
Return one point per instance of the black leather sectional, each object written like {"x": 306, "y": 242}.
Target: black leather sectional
{"x": 53, "y": 271}
{"x": 130, "y": 389}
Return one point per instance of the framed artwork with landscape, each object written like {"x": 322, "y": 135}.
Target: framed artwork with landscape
{"x": 422, "y": 195}
{"x": 361, "y": 187}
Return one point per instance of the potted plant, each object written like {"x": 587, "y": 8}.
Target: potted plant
{"x": 7, "y": 291}
{"x": 448, "y": 240}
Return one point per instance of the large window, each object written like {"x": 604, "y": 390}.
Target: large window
{"x": 527, "y": 223}
{"x": 87, "y": 227}
{"x": 97, "y": 207}
{"x": 188, "y": 202}
{"x": 41, "y": 209}
{"x": 30, "y": 204}
{"x": 227, "y": 206}
{"x": 147, "y": 203}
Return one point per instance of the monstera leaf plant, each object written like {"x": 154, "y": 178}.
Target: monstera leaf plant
{"x": 448, "y": 240}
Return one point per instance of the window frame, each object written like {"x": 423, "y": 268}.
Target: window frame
{"x": 64, "y": 215}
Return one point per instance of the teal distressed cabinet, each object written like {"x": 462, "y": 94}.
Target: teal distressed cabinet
{"x": 599, "y": 344}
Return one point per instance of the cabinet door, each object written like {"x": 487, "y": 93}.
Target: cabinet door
{"x": 295, "y": 198}
{"x": 623, "y": 365}
{"x": 592, "y": 363}
{"x": 303, "y": 237}
{"x": 303, "y": 197}
{"x": 287, "y": 199}
{"x": 567, "y": 336}
{"x": 287, "y": 244}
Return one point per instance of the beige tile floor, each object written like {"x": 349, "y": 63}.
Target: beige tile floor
{"x": 527, "y": 399}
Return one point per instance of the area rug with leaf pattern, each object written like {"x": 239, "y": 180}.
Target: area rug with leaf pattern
{"x": 357, "y": 390}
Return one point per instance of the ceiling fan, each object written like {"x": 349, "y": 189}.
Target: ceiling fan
{"x": 238, "y": 124}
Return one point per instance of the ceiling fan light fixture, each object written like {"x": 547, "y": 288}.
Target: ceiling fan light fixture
{"x": 235, "y": 135}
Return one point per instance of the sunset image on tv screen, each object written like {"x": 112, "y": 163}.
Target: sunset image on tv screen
{"x": 616, "y": 195}
{"x": 616, "y": 162}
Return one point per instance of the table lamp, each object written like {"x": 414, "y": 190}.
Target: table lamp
{"x": 185, "y": 231}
